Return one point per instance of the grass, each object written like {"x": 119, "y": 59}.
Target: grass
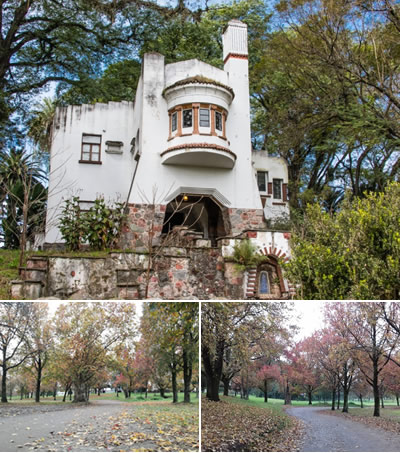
{"x": 135, "y": 398}
{"x": 8, "y": 271}
{"x": 389, "y": 413}
{"x": 259, "y": 402}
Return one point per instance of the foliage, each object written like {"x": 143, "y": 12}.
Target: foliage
{"x": 353, "y": 254}
{"x": 23, "y": 195}
{"x": 86, "y": 333}
{"x": 244, "y": 253}
{"x": 99, "y": 226}
{"x": 71, "y": 225}
{"x": 117, "y": 83}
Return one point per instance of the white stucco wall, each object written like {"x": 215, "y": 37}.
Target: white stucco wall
{"x": 265, "y": 239}
{"x": 68, "y": 177}
{"x": 276, "y": 168}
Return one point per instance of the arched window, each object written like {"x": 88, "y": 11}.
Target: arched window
{"x": 263, "y": 284}
{"x": 269, "y": 284}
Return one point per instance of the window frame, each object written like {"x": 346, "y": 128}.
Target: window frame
{"x": 208, "y": 117}
{"x": 84, "y": 160}
{"x": 265, "y": 174}
{"x": 220, "y": 119}
{"x": 280, "y": 182}
{"x": 174, "y": 121}
{"x": 269, "y": 292}
{"x": 191, "y": 118}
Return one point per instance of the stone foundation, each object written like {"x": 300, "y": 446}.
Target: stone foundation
{"x": 246, "y": 219}
{"x": 142, "y": 219}
{"x": 175, "y": 273}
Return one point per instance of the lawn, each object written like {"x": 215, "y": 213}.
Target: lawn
{"x": 135, "y": 398}
{"x": 234, "y": 424}
{"x": 8, "y": 271}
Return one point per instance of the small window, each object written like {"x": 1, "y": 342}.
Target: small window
{"x": 174, "y": 121}
{"x": 187, "y": 118}
{"x": 277, "y": 188}
{"x": 218, "y": 121}
{"x": 262, "y": 181}
{"x": 91, "y": 148}
{"x": 263, "y": 284}
{"x": 204, "y": 118}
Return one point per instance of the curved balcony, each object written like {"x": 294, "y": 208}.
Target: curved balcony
{"x": 199, "y": 155}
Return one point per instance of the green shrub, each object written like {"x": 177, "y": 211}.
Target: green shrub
{"x": 244, "y": 253}
{"x": 99, "y": 226}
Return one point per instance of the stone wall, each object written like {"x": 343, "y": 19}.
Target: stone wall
{"x": 135, "y": 232}
{"x": 175, "y": 273}
{"x": 246, "y": 219}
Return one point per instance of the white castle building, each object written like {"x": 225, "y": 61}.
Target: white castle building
{"x": 185, "y": 141}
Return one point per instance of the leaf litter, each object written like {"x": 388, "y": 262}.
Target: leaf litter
{"x": 229, "y": 426}
{"x": 139, "y": 427}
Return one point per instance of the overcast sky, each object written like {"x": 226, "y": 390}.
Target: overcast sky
{"x": 310, "y": 317}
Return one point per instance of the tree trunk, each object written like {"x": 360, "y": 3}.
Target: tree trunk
{"x": 288, "y": 396}
{"x": 338, "y": 398}
{"x": 333, "y": 397}
{"x": 309, "y": 393}
{"x": 80, "y": 393}
{"x": 361, "y": 401}
{"x": 38, "y": 379}
{"x": 375, "y": 387}
{"x": 397, "y": 399}
{"x": 174, "y": 385}
{"x": 226, "y": 382}
{"x": 213, "y": 369}
{"x": 383, "y": 405}
{"x": 4, "y": 382}
{"x": 265, "y": 390}
{"x": 187, "y": 373}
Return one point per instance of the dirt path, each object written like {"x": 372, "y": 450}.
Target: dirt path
{"x": 325, "y": 432}
{"x": 70, "y": 427}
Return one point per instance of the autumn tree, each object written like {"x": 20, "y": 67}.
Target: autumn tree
{"x": 170, "y": 331}
{"x": 369, "y": 337}
{"x": 15, "y": 320}
{"x": 86, "y": 333}
{"x": 235, "y": 325}
{"x": 265, "y": 375}
{"x": 41, "y": 342}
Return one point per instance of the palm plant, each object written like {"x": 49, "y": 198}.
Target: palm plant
{"x": 22, "y": 197}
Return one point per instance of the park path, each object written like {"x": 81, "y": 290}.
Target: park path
{"x": 326, "y": 432}
{"x": 60, "y": 427}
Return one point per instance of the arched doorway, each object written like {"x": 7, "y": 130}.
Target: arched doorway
{"x": 198, "y": 213}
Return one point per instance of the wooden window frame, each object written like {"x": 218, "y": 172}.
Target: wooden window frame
{"x": 90, "y": 160}
{"x": 280, "y": 188}
{"x": 265, "y": 174}
{"x": 174, "y": 115}
{"x": 221, "y": 119}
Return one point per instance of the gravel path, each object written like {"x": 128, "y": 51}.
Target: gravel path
{"x": 64, "y": 427}
{"x": 325, "y": 432}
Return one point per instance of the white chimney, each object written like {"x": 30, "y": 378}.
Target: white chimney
{"x": 235, "y": 40}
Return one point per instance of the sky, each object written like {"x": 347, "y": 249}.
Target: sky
{"x": 307, "y": 315}
{"x": 310, "y": 317}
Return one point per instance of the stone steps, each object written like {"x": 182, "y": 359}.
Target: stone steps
{"x": 26, "y": 289}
